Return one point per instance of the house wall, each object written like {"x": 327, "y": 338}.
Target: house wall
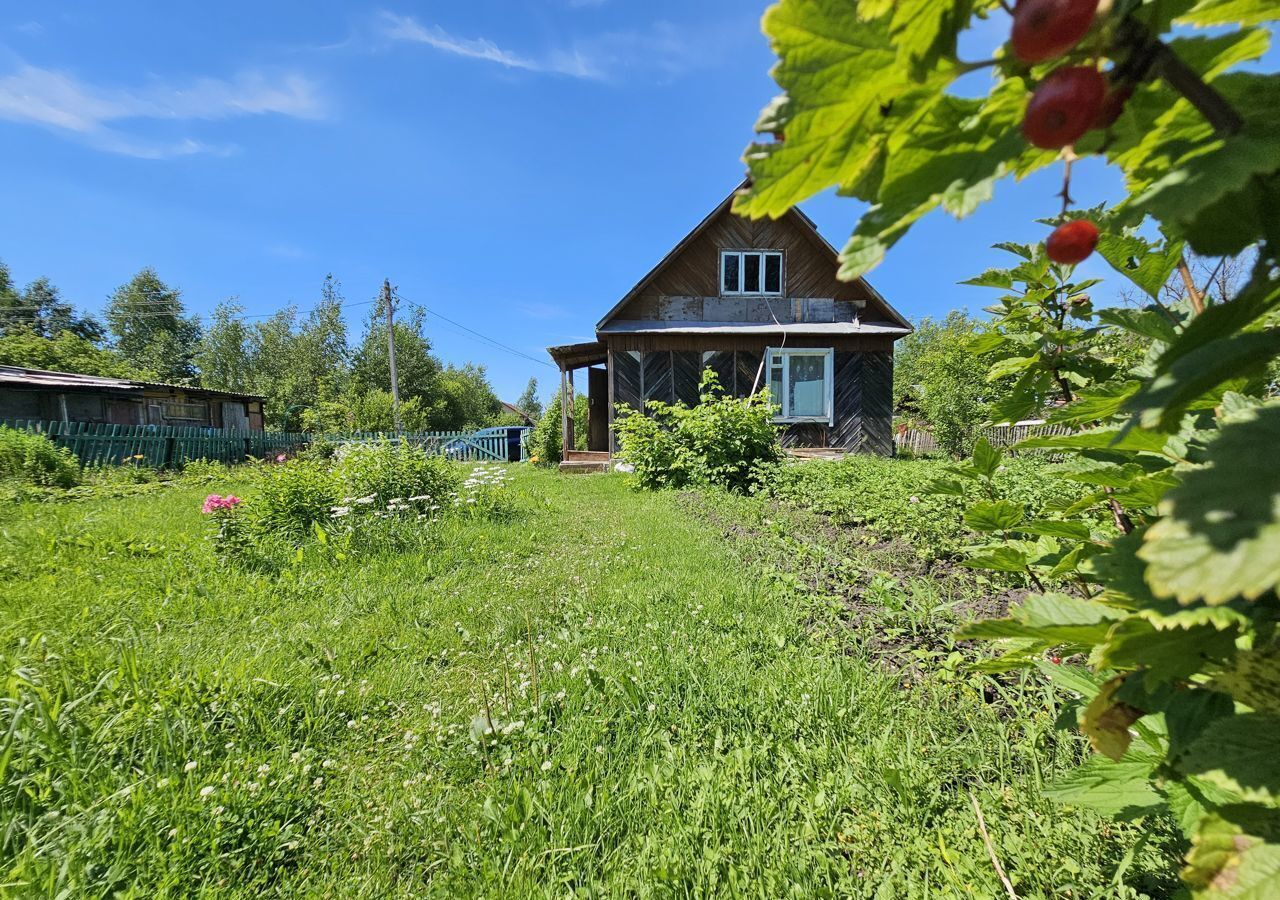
{"x": 862, "y": 385}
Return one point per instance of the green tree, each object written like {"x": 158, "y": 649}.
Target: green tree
{"x": 529, "y": 403}
{"x": 937, "y": 379}
{"x": 66, "y": 352}
{"x": 41, "y": 309}
{"x": 418, "y": 371}
{"x": 151, "y": 329}
{"x": 464, "y": 400}
{"x": 223, "y": 356}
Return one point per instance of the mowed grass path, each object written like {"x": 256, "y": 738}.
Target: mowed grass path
{"x": 668, "y": 724}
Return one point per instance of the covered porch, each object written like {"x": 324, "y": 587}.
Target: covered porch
{"x": 594, "y": 358}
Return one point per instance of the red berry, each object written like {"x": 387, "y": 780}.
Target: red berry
{"x": 1072, "y": 242}
{"x": 1064, "y": 107}
{"x": 1113, "y": 106}
{"x": 1056, "y": 659}
{"x": 1046, "y": 29}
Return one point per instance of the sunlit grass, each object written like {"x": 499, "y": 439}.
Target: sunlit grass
{"x": 668, "y": 719}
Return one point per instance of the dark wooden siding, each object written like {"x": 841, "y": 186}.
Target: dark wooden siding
{"x": 626, "y": 378}
{"x": 686, "y": 375}
{"x": 808, "y": 267}
{"x": 655, "y": 376}
{"x": 877, "y": 403}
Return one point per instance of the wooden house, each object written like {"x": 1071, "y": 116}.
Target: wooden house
{"x": 759, "y": 303}
{"x": 34, "y": 394}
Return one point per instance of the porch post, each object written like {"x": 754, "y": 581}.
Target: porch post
{"x": 566, "y": 439}
{"x": 571, "y": 409}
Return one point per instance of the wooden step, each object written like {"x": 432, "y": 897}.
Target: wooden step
{"x": 587, "y": 456}
{"x": 584, "y": 466}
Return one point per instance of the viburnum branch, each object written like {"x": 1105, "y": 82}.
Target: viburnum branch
{"x": 1188, "y": 280}
{"x": 1068, "y": 159}
{"x": 1213, "y": 276}
{"x": 1150, "y": 54}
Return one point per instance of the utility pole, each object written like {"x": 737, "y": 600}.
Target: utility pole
{"x": 389, "y": 302}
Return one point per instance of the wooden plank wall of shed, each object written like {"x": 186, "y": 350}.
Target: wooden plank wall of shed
{"x": 863, "y": 391}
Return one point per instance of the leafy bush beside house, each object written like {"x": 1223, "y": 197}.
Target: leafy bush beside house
{"x": 544, "y": 441}
{"x": 722, "y": 442}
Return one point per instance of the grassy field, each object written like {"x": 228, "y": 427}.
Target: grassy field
{"x": 694, "y": 696}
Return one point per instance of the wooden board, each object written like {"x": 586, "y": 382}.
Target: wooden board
{"x": 655, "y": 376}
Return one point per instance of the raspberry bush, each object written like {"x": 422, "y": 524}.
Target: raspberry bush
{"x": 1172, "y": 609}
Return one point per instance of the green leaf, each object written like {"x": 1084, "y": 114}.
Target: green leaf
{"x": 1199, "y": 373}
{"x": 839, "y": 74}
{"x": 1253, "y": 679}
{"x": 1094, "y": 404}
{"x": 1227, "y": 863}
{"x": 1000, "y": 559}
{"x": 1146, "y": 264}
{"x": 1209, "y": 194}
{"x": 994, "y": 515}
{"x": 1120, "y": 789}
{"x": 1219, "y": 535}
{"x": 986, "y": 459}
{"x": 1229, "y": 12}
{"x": 1166, "y": 654}
{"x": 1238, "y": 754}
{"x": 1119, "y": 439}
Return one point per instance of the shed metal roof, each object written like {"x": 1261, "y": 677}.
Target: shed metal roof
{"x": 17, "y": 376}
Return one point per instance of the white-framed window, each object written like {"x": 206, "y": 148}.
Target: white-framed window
{"x": 754, "y": 272}
{"x": 801, "y": 380}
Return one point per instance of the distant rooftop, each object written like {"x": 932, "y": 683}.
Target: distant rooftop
{"x": 19, "y": 377}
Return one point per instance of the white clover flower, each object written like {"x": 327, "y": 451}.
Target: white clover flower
{"x": 207, "y": 791}
{"x": 191, "y": 766}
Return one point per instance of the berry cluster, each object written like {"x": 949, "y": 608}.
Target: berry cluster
{"x": 1069, "y": 103}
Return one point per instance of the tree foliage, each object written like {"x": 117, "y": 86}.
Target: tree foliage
{"x": 938, "y": 381}
{"x": 1163, "y": 579}
{"x": 151, "y": 330}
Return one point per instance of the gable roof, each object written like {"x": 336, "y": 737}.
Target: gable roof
{"x": 804, "y": 225}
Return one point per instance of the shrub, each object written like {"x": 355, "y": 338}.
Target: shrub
{"x": 33, "y": 457}
{"x": 544, "y": 441}
{"x": 391, "y": 471}
{"x": 293, "y": 498}
{"x": 723, "y": 441}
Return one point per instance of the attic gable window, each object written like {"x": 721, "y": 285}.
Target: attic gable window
{"x": 752, "y": 272}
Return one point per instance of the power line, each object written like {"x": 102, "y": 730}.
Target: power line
{"x": 483, "y": 337}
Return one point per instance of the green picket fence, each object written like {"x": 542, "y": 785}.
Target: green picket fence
{"x": 164, "y": 446}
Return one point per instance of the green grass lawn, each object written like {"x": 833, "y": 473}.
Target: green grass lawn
{"x": 684, "y": 708}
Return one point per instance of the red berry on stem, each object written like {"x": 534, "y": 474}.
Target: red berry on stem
{"x": 1046, "y": 29}
{"x": 1072, "y": 242}
{"x": 1064, "y": 107}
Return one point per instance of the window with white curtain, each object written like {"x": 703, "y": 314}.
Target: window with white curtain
{"x": 800, "y": 380}
{"x": 755, "y": 272}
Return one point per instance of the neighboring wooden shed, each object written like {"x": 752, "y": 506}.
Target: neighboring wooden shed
{"x": 70, "y": 397}
{"x": 760, "y": 304}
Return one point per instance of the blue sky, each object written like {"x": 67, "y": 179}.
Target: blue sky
{"x": 513, "y": 164}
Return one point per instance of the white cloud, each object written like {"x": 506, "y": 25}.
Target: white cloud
{"x": 603, "y": 57}
{"x": 61, "y": 102}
